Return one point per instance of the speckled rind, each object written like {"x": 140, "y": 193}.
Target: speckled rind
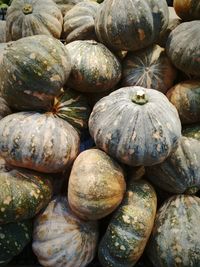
{"x": 96, "y": 185}
{"x": 175, "y": 240}
{"x": 38, "y": 141}
{"x": 4, "y": 108}
{"x": 192, "y": 131}
{"x": 130, "y": 227}
{"x": 2, "y": 31}
{"x": 94, "y": 67}
{"x": 135, "y": 134}
{"x": 61, "y": 239}
{"x": 187, "y": 9}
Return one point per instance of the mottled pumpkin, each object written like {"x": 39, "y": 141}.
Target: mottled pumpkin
{"x": 129, "y": 229}
{"x": 183, "y": 47}
{"x": 94, "y": 67}
{"x": 61, "y": 239}
{"x": 131, "y": 25}
{"x": 4, "y": 108}
{"x": 175, "y": 239}
{"x": 66, "y": 5}
{"x": 32, "y": 72}
{"x": 13, "y": 238}
{"x": 2, "y": 31}
{"x": 33, "y": 17}
{"x": 138, "y": 126}
{"x": 192, "y": 131}
{"x": 96, "y": 185}
{"x": 149, "y": 68}
{"x": 38, "y": 141}
{"x": 185, "y": 96}
{"x": 187, "y": 9}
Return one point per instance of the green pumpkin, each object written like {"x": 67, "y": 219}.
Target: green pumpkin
{"x": 129, "y": 229}
{"x": 4, "y": 108}
{"x": 192, "y": 131}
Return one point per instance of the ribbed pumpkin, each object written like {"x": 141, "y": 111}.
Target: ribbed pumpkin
{"x": 131, "y": 25}
{"x": 183, "y": 47}
{"x": 130, "y": 227}
{"x": 187, "y": 9}
{"x": 149, "y": 68}
{"x": 79, "y": 22}
{"x": 96, "y": 185}
{"x": 94, "y": 67}
{"x": 4, "y": 108}
{"x": 192, "y": 131}
{"x": 175, "y": 239}
{"x": 38, "y": 141}
{"x": 66, "y": 5}
{"x": 13, "y": 238}
{"x": 138, "y": 126}
{"x": 61, "y": 239}
{"x": 33, "y": 17}
{"x": 2, "y": 31}
{"x": 33, "y": 70}
{"x": 180, "y": 172}
{"x": 185, "y": 96}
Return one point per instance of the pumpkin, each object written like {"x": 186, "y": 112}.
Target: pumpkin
{"x": 62, "y": 239}
{"x": 37, "y": 141}
{"x": 183, "y": 47}
{"x": 33, "y": 70}
{"x": 13, "y": 238}
{"x": 138, "y": 126}
{"x": 2, "y": 31}
{"x": 94, "y": 67}
{"x": 185, "y": 96}
{"x": 79, "y": 22}
{"x": 192, "y": 131}
{"x": 136, "y": 26}
{"x": 66, "y": 5}
{"x": 180, "y": 172}
{"x": 149, "y": 68}
{"x": 33, "y": 17}
{"x": 96, "y": 185}
{"x": 187, "y": 9}
{"x": 4, "y": 108}
{"x": 129, "y": 229}
{"x": 175, "y": 239}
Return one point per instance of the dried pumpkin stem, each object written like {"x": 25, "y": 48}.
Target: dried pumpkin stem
{"x": 140, "y": 98}
{"x": 27, "y": 9}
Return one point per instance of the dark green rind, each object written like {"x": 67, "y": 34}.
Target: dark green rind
{"x": 4, "y": 108}
{"x": 192, "y": 131}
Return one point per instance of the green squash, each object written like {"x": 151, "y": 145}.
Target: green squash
{"x": 192, "y": 131}
{"x": 66, "y": 5}
{"x": 4, "y": 108}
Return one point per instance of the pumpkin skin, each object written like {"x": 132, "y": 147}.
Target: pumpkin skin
{"x": 171, "y": 245}
{"x": 33, "y": 70}
{"x": 94, "y": 67}
{"x": 14, "y": 237}
{"x": 4, "y": 108}
{"x": 185, "y": 96}
{"x": 149, "y": 68}
{"x": 183, "y": 47}
{"x": 192, "y": 131}
{"x": 66, "y": 5}
{"x": 61, "y": 239}
{"x": 187, "y": 9}
{"x": 138, "y": 126}
{"x": 136, "y": 26}
{"x": 180, "y": 172}
{"x": 2, "y": 31}
{"x": 130, "y": 227}
{"x": 95, "y": 190}
{"x": 32, "y": 17}
{"x": 37, "y": 141}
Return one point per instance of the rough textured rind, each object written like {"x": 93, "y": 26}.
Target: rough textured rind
{"x": 130, "y": 227}
{"x": 175, "y": 240}
{"x": 38, "y": 141}
{"x": 94, "y": 67}
{"x": 4, "y": 108}
{"x": 45, "y": 18}
{"x": 2, "y": 31}
{"x": 149, "y": 68}
{"x": 136, "y": 26}
{"x": 61, "y": 239}
{"x": 135, "y": 134}
{"x": 96, "y": 185}
{"x": 192, "y": 131}
{"x": 32, "y": 72}
{"x": 187, "y": 9}
{"x": 183, "y": 47}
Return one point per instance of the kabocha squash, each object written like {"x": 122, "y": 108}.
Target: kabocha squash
{"x": 4, "y": 108}
{"x": 183, "y": 47}
{"x": 130, "y": 25}
{"x": 2, "y": 31}
{"x": 185, "y": 96}
{"x": 149, "y": 68}
{"x": 38, "y": 141}
{"x": 192, "y": 131}
{"x": 180, "y": 172}
{"x": 33, "y": 70}
{"x": 96, "y": 185}
{"x": 61, "y": 239}
{"x": 175, "y": 240}
{"x": 79, "y": 22}
{"x": 138, "y": 126}
{"x": 33, "y": 17}
{"x": 187, "y": 9}
{"x": 13, "y": 238}
{"x": 66, "y": 5}
{"x": 130, "y": 227}
{"x": 94, "y": 67}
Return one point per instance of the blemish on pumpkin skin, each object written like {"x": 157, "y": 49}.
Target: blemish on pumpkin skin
{"x": 141, "y": 34}
{"x": 7, "y": 200}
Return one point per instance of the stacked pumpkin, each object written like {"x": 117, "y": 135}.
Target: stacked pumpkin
{"x": 107, "y": 81}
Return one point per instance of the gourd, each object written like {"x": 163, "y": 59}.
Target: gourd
{"x": 187, "y": 9}
{"x": 66, "y": 5}
{"x": 4, "y": 108}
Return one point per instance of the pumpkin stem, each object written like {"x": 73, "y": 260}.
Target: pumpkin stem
{"x": 27, "y": 9}
{"x": 140, "y": 98}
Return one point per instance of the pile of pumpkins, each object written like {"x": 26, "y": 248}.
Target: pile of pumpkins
{"x": 125, "y": 75}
